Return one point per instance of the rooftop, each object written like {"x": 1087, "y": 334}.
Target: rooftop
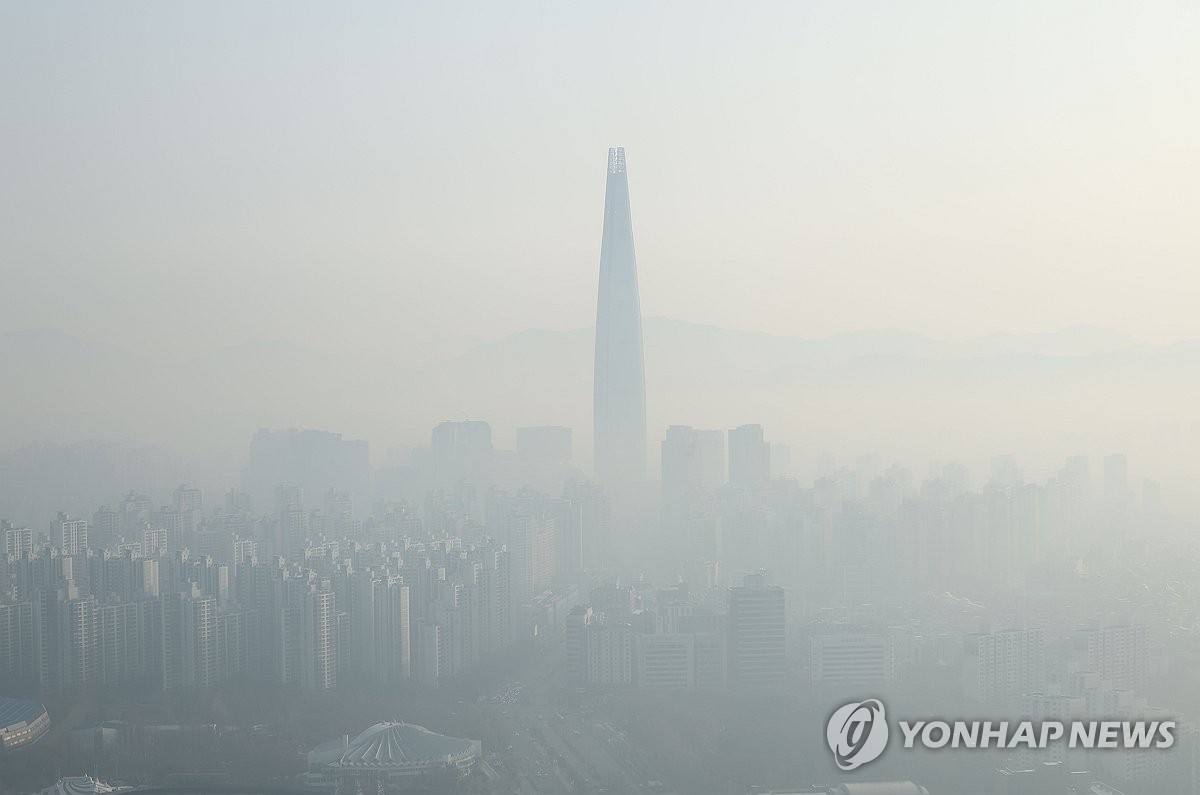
{"x": 393, "y": 744}
{"x": 78, "y": 785}
{"x": 14, "y": 711}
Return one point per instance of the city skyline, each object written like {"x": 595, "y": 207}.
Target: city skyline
{"x": 949, "y": 587}
{"x": 352, "y": 442}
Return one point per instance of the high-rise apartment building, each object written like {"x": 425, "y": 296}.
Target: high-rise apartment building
{"x": 461, "y": 451}
{"x": 609, "y": 648}
{"x": 381, "y": 623}
{"x": 757, "y": 633}
{"x": 18, "y": 541}
{"x": 318, "y": 641}
{"x": 1119, "y": 654}
{"x": 692, "y": 461}
{"x": 17, "y": 659}
{"x": 749, "y": 457}
{"x": 1001, "y": 667}
{"x": 73, "y": 535}
{"x": 851, "y": 660}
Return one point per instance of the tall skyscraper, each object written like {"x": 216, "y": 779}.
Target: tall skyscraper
{"x": 462, "y": 451}
{"x": 17, "y": 656}
{"x": 318, "y": 641}
{"x": 619, "y": 407}
{"x": 382, "y": 627}
{"x": 692, "y": 461}
{"x": 18, "y": 541}
{"x": 749, "y": 457}
{"x": 757, "y": 633}
{"x": 74, "y": 534}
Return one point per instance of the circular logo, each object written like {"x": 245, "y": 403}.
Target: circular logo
{"x": 857, "y": 733}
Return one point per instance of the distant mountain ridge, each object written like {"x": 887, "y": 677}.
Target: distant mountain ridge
{"x": 862, "y": 385}
{"x": 57, "y": 347}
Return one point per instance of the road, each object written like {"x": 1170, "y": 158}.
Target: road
{"x": 556, "y": 750}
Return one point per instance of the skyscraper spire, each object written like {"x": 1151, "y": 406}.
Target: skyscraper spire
{"x": 619, "y": 406}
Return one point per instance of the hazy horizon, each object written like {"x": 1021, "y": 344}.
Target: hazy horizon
{"x": 403, "y": 175}
{"x": 455, "y": 344}
{"x": 366, "y": 429}
{"x": 359, "y": 221}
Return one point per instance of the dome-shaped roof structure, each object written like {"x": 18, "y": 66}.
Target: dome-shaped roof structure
{"x": 392, "y": 744}
{"x": 880, "y": 788}
{"x": 392, "y": 748}
{"x": 79, "y": 785}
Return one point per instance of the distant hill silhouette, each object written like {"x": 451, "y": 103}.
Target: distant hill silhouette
{"x": 876, "y": 389}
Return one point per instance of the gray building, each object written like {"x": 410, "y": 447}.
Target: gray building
{"x": 757, "y": 634}
{"x": 619, "y": 401}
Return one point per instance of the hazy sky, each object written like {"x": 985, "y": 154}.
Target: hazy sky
{"x": 382, "y": 174}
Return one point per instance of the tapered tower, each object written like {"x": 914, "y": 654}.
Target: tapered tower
{"x": 619, "y": 405}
